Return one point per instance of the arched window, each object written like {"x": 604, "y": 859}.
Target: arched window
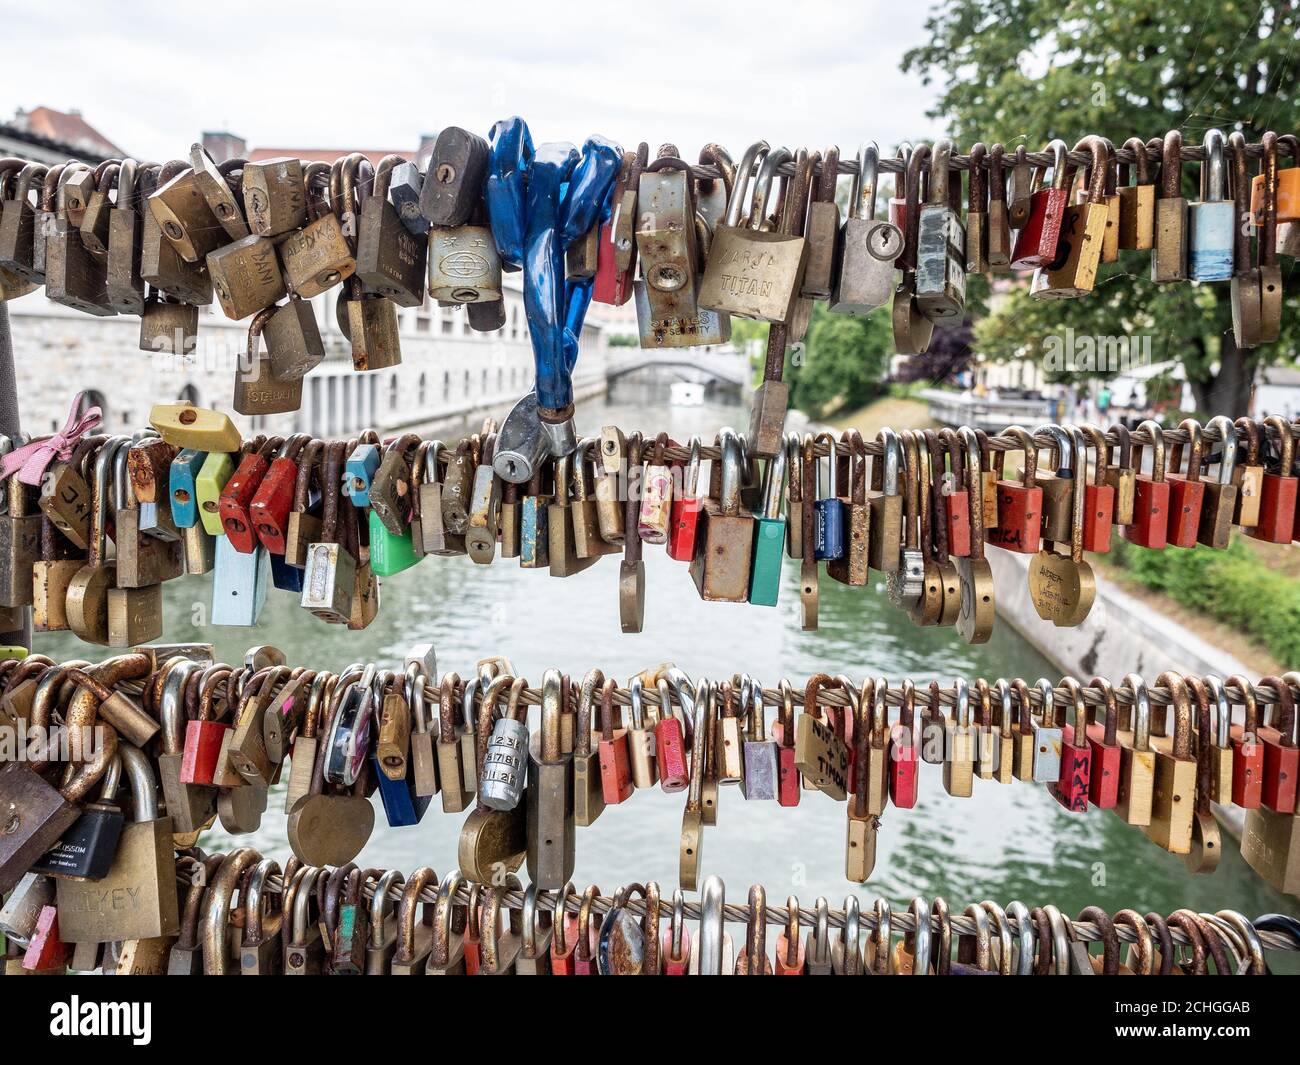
{"x": 446, "y": 385}
{"x": 392, "y": 391}
{"x": 189, "y": 394}
{"x": 467, "y": 382}
{"x": 421, "y": 391}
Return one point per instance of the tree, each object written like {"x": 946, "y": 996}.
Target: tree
{"x": 842, "y": 365}
{"x": 1012, "y": 68}
{"x": 949, "y": 354}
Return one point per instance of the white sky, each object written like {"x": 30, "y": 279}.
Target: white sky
{"x": 151, "y": 77}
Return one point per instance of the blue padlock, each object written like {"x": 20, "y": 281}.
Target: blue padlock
{"x": 1211, "y": 222}
{"x": 359, "y": 472}
{"x": 402, "y": 806}
{"x": 181, "y": 484}
{"x": 828, "y": 511}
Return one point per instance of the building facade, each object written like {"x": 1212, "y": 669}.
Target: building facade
{"x": 449, "y": 376}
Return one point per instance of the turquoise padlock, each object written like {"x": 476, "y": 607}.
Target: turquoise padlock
{"x": 359, "y": 473}
{"x": 769, "y": 536}
{"x": 182, "y": 484}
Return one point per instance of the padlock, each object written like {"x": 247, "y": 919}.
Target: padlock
{"x": 1211, "y": 220}
{"x": 275, "y": 195}
{"x": 1221, "y": 492}
{"x": 465, "y": 266}
{"x": 1020, "y": 503}
{"x": 752, "y": 273}
{"x": 550, "y": 793}
{"x": 1247, "y": 751}
{"x": 186, "y": 217}
{"x": 1040, "y": 230}
{"x": 391, "y": 260}
{"x": 456, "y": 173}
{"x": 330, "y": 575}
{"x": 912, "y": 329}
{"x": 320, "y": 255}
{"x": 1072, "y": 271}
{"x": 246, "y": 276}
{"x": 234, "y": 503}
{"x": 616, "y": 245}
{"x": 941, "y": 243}
{"x": 828, "y": 510}
{"x": 272, "y": 500}
{"x": 1186, "y": 491}
{"x": 1281, "y": 755}
{"x": 1173, "y": 798}
{"x": 1072, "y": 787}
{"x": 870, "y": 246}
{"x": 769, "y": 533}
{"x": 1277, "y": 494}
{"x": 142, "y": 871}
{"x": 1047, "y": 736}
{"x": 724, "y": 545}
{"x": 404, "y": 191}
{"x": 1137, "y": 757}
{"x": 1105, "y": 770}
{"x": 1169, "y": 253}
{"x": 257, "y": 390}
{"x": 1137, "y": 201}
{"x": 1099, "y": 496}
{"x": 1151, "y": 492}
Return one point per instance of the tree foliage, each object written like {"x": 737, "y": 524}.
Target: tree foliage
{"x": 843, "y": 363}
{"x": 1014, "y": 69}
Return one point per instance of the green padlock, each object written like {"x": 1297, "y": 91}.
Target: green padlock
{"x": 769, "y": 536}
{"x": 216, "y": 470}
{"x": 390, "y": 554}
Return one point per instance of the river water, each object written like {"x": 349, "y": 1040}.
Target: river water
{"x": 1009, "y": 842}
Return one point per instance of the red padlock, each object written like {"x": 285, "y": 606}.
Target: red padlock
{"x": 615, "y": 764}
{"x": 1150, "y": 526}
{"x": 1037, "y": 239}
{"x": 45, "y": 951}
{"x": 1277, "y": 496}
{"x": 685, "y": 513}
{"x": 586, "y": 936}
{"x": 670, "y": 733}
{"x": 235, "y": 499}
{"x": 1020, "y": 503}
{"x": 1072, "y": 785}
{"x": 1281, "y": 755}
{"x": 1107, "y": 756}
{"x": 616, "y": 245}
{"x": 788, "y": 783}
{"x": 269, "y": 510}
{"x": 676, "y": 952}
{"x": 1098, "y": 497}
{"x": 904, "y": 752}
{"x": 953, "y": 486}
{"x": 1247, "y": 750}
{"x": 564, "y": 936}
{"x": 203, "y": 734}
{"x": 1186, "y": 490}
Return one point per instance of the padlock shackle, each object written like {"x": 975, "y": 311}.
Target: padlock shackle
{"x": 755, "y": 153}
{"x": 1171, "y": 177}
{"x": 1214, "y": 170}
{"x": 866, "y": 181}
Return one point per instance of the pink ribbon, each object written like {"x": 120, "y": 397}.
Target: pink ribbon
{"x": 30, "y": 460}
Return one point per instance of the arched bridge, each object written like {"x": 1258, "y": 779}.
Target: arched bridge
{"x": 688, "y": 364}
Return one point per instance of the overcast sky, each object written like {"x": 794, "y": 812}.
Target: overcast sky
{"x": 359, "y": 76}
